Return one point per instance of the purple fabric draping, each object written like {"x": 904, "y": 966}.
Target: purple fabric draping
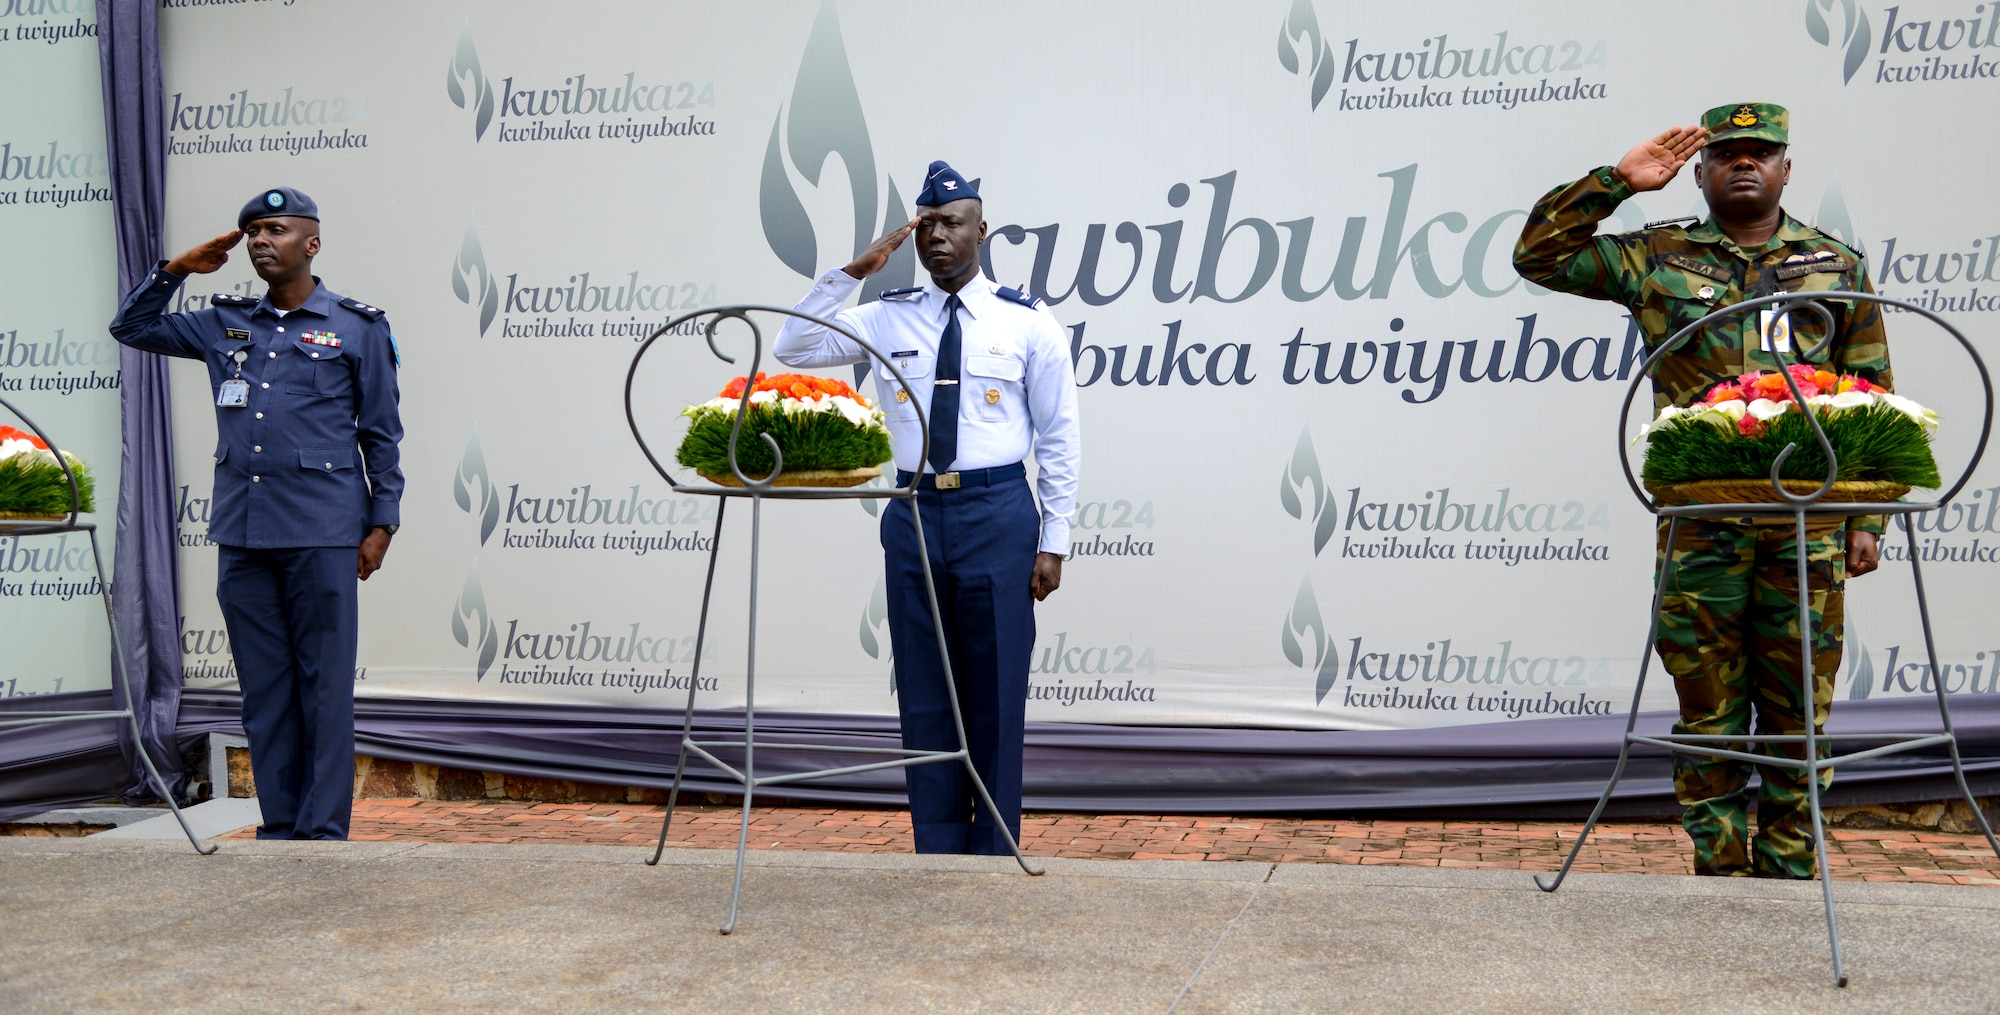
{"x": 145, "y": 585}
{"x": 1542, "y": 768}
{"x": 1523, "y": 770}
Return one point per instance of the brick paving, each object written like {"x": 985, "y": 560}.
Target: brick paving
{"x": 1856, "y": 855}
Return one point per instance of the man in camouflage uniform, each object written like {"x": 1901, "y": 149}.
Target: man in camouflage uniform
{"x": 1729, "y": 624}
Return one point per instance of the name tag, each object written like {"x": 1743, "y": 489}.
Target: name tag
{"x": 903, "y": 354}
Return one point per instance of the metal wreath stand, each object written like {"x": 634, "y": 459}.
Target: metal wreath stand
{"x": 56, "y": 526}
{"x": 1800, "y": 507}
{"x": 757, "y": 490}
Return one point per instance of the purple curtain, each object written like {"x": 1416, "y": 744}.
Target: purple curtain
{"x": 145, "y": 586}
{"x": 1549, "y": 769}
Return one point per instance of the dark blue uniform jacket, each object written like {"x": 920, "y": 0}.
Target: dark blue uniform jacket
{"x": 312, "y": 459}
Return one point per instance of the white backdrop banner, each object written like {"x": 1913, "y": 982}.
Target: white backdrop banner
{"x": 57, "y": 362}
{"x": 1343, "y": 468}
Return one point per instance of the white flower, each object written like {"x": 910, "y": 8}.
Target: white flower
{"x": 1731, "y": 410}
{"x": 1666, "y": 415}
{"x": 856, "y": 413}
{"x": 1851, "y": 400}
{"x": 11, "y": 447}
{"x": 763, "y": 397}
{"x": 1924, "y": 417}
{"x": 1767, "y": 410}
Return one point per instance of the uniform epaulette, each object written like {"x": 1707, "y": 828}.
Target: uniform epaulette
{"x": 230, "y": 300}
{"x": 362, "y": 308}
{"x": 1689, "y": 219}
{"x": 1017, "y": 296}
{"x": 900, "y": 295}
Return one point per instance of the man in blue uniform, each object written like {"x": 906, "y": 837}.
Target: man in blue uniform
{"x": 992, "y": 370}
{"x": 306, "y": 472}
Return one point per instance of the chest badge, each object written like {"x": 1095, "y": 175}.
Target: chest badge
{"x": 325, "y": 338}
{"x": 1706, "y": 292}
{"x": 997, "y": 351}
{"x": 992, "y": 396}
{"x": 902, "y": 394}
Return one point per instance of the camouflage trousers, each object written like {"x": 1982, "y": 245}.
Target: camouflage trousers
{"x": 1729, "y": 635}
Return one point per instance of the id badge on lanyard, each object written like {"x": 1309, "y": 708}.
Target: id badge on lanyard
{"x": 234, "y": 392}
{"x": 1774, "y": 331}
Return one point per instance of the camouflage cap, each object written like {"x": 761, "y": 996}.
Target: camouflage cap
{"x": 1760, "y": 120}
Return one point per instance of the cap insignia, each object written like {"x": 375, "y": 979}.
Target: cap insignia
{"x": 1745, "y": 116}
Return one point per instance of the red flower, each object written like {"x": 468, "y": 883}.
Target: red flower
{"x": 1750, "y": 426}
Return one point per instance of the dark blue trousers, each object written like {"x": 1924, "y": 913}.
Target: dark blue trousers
{"x": 292, "y": 617}
{"x": 982, "y": 543}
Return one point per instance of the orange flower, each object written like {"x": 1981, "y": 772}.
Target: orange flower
{"x": 8, "y": 433}
{"x": 806, "y": 387}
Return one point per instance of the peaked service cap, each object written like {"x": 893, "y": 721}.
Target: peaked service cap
{"x": 1760, "y": 120}
{"x": 278, "y": 201}
{"x": 943, "y": 185}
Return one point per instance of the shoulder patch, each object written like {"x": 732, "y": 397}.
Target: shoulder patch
{"x": 1697, "y": 265}
{"x": 900, "y": 295}
{"x": 362, "y": 308}
{"x": 1689, "y": 219}
{"x": 230, "y": 300}
{"x": 1017, "y": 296}
{"x": 1831, "y": 263}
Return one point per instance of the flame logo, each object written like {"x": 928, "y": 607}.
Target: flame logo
{"x": 471, "y": 261}
{"x": 1300, "y": 473}
{"x": 1860, "y": 668}
{"x": 1301, "y": 28}
{"x": 1854, "y": 33}
{"x": 1833, "y": 217}
{"x": 472, "y": 469}
{"x": 486, "y": 637}
{"x": 874, "y": 640}
{"x": 465, "y": 64}
{"x": 1304, "y": 622}
{"x": 824, "y": 119}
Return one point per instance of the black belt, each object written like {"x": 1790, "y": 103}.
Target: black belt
{"x": 971, "y": 477}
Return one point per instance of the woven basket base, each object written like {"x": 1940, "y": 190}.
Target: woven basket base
{"x": 1758, "y": 491}
{"x": 36, "y": 516}
{"x": 805, "y": 477}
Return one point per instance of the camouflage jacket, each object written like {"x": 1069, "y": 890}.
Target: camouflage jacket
{"x": 1670, "y": 277}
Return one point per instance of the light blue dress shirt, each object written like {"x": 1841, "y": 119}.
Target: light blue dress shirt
{"x": 1019, "y": 385}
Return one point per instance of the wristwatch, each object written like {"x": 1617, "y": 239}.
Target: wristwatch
{"x": 390, "y": 529}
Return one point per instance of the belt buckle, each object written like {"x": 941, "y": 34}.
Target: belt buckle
{"x": 947, "y": 480}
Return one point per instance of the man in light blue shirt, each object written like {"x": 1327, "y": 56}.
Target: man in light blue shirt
{"x": 992, "y": 371}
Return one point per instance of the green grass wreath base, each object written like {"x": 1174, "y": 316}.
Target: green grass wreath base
{"x": 1873, "y": 442}
{"x": 39, "y": 488}
{"x": 810, "y": 440}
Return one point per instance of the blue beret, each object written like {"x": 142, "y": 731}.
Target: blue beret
{"x": 943, "y": 185}
{"x": 275, "y": 202}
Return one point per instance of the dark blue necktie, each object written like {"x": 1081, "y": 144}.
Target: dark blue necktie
{"x": 944, "y": 392}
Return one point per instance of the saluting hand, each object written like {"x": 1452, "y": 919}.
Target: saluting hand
{"x": 1653, "y": 164}
{"x": 876, "y": 257}
{"x": 206, "y": 257}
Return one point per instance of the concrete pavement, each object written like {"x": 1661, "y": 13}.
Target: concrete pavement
{"x": 102, "y": 924}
